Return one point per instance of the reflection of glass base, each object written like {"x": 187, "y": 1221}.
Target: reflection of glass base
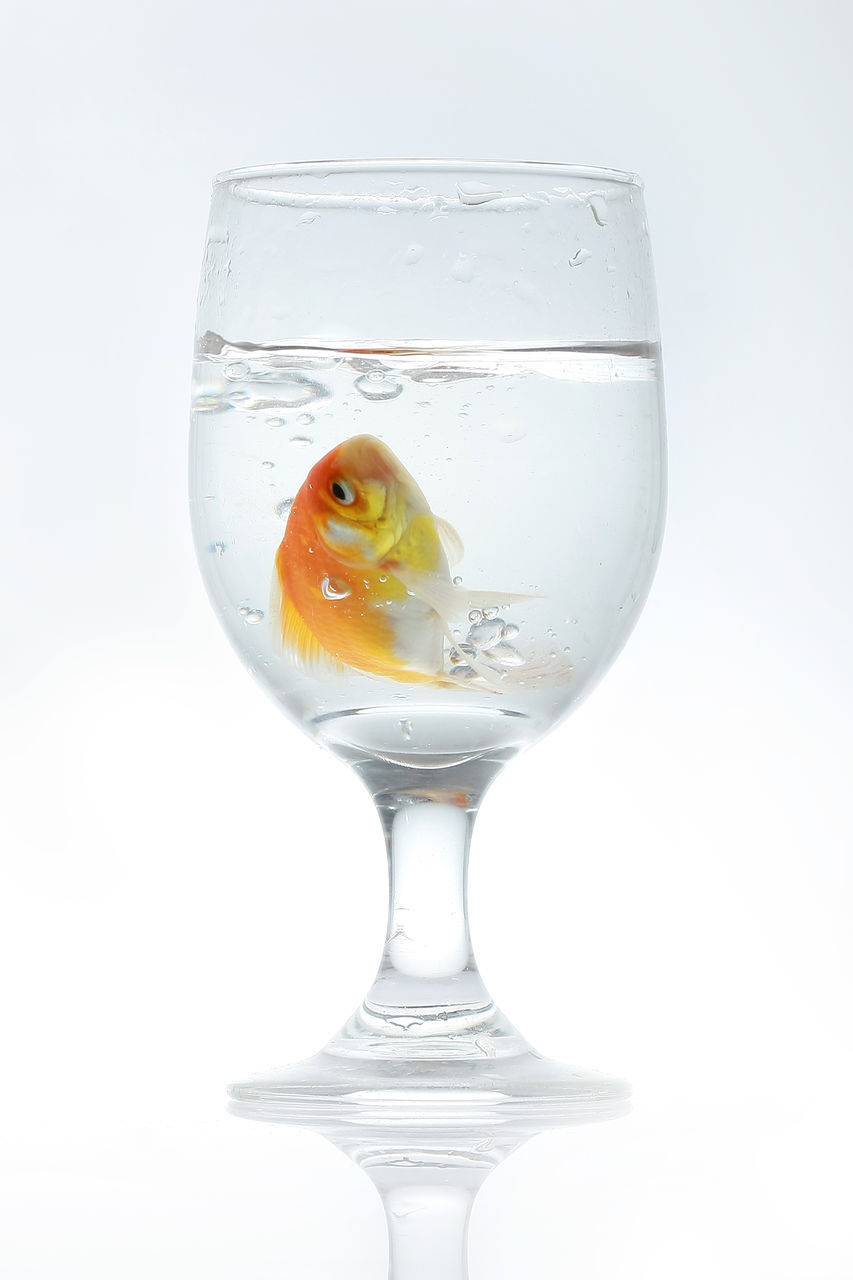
{"x": 373, "y": 1071}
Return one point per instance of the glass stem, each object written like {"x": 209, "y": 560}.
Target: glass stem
{"x": 427, "y": 1220}
{"x": 428, "y": 1000}
{"x": 428, "y": 846}
{"x": 427, "y": 961}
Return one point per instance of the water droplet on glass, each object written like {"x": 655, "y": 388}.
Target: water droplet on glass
{"x": 598, "y": 207}
{"x": 407, "y": 729}
{"x": 208, "y": 404}
{"x": 378, "y": 386}
{"x": 307, "y": 219}
{"x": 267, "y": 466}
{"x": 475, "y": 615}
{"x": 463, "y": 269}
{"x": 334, "y": 588}
{"x": 301, "y": 442}
{"x": 413, "y": 254}
{"x": 510, "y": 631}
{"x": 577, "y": 259}
{"x": 305, "y": 419}
{"x": 457, "y": 581}
{"x": 477, "y": 192}
{"x": 275, "y": 422}
{"x": 282, "y": 509}
{"x": 218, "y": 548}
{"x": 234, "y": 372}
{"x": 252, "y": 616}
{"x": 510, "y": 432}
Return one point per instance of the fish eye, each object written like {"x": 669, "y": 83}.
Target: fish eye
{"x": 342, "y": 491}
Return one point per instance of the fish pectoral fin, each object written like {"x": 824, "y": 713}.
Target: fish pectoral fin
{"x": 450, "y": 541}
{"x": 298, "y": 637}
{"x": 449, "y": 601}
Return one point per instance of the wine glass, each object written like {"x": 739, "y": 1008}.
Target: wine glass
{"x": 428, "y": 1169}
{"x": 427, "y": 490}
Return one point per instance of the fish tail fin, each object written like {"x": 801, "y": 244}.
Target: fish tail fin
{"x": 450, "y": 601}
{"x": 497, "y": 678}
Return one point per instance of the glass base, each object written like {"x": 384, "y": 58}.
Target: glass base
{"x": 431, "y": 1066}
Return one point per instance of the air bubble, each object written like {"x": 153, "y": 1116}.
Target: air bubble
{"x": 486, "y": 634}
{"x": 334, "y": 588}
{"x": 305, "y": 419}
{"x": 579, "y": 258}
{"x": 413, "y": 254}
{"x": 237, "y": 398}
{"x": 475, "y": 615}
{"x": 506, "y": 655}
{"x": 252, "y": 616}
{"x": 275, "y": 422}
{"x": 407, "y": 729}
{"x": 282, "y": 509}
{"x": 378, "y": 386}
{"x": 457, "y": 581}
{"x": 218, "y": 548}
{"x": 490, "y": 613}
{"x": 295, "y": 390}
{"x": 267, "y": 466}
{"x": 234, "y": 372}
{"x": 510, "y": 631}
{"x": 301, "y": 442}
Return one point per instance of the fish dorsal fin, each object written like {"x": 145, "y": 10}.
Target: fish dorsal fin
{"x": 453, "y": 602}
{"x": 450, "y": 541}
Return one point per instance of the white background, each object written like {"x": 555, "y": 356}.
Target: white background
{"x": 191, "y": 891}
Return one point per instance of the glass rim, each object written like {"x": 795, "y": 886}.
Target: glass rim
{"x": 421, "y": 165}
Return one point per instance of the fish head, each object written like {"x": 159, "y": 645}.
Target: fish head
{"x": 362, "y": 500}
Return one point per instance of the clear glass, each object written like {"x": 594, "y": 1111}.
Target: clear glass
{"x": 428, "y": 1167}
{"x": 427, "y": 493}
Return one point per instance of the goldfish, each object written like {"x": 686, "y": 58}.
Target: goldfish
{"x": 362, "y": 574}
